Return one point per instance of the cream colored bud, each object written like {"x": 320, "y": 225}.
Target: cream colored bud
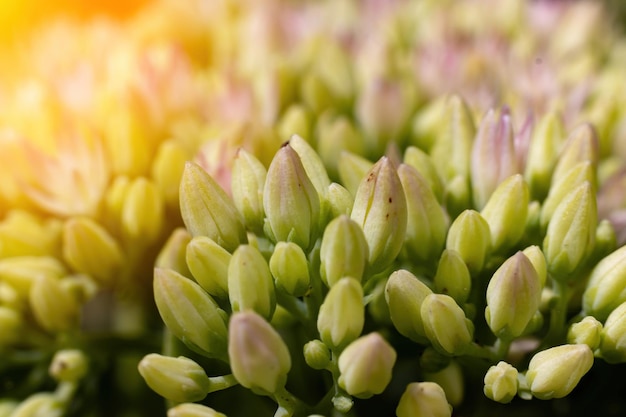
{"x": 423, "y": 399}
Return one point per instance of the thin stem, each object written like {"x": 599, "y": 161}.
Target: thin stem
{"x": 219, "y": 383}
{"x": 558, "y": 314}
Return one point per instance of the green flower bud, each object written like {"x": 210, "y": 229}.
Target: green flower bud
{"x": 54, "y": 307}
{"x": 250, "y": 283}
{"x": 513, "y": 297}
{"x": 427, "y": 222}
{"x": 7, "y": 406}
{"x": 340, "y": 200}
{"x": 342, "y": 314}
{"x": 536, "y": 257}
{"x": 11, "y": 326}
{"x": 207, "y": 210}
{"x": 193, "y": 410}
{"x": 571, "y": 232}
{"x": 613, "y": 340}
{"x": 452, "y": 277}
{"x": 40, "y": 404}
{"x": 451, "y": 380}
{"x": 493, "y": 155}
{"x": 247, "y": 183}
{"x": 167, "y": 168}
{"x": 68, "y": 365}
{"x": 453, "y": 147}
{"x": 173, "y": 252}
{"x": 143, "y": 212}
{"x": 190, "y": 313}
{"x": 405, "y": 294}
{"x": 334, "y": 137}
{"x": 317, "y": 354}
{"x": 89, "y": 249}
{"x": 208, "y": 263}
{"x": 380, "y": 209}
{"x": 366, "y": 365}
{"x": 555, "y": 372}
{"x": 177, "y": 379}
{"x": 423, "y": 163}
{"x": 296, "y": 119}
{"x": 606, "y": 288}
{"x": 313, "y": 165}
{"x": 501, "y": 382}
{"x": 579, "y": 174}
{"x": 432, "y": 360}
{"x": 545, "y": 144}
{"x": 581, "y": 145}
{"x": 423, "y": 399}
{"x": 343, "y": 252}
{"x": 259, "y": 359}
{"x": 352, "y": 169}
{"x": 292, "y": 205}
{"x": 445, "y": 324}
{"x": 588, "y": 331}
{"x": 21, "y": 271}
{"x": 457, "y": 196}
{"x": 469, "y": 235}
{"x": 506, "y": 212}
{"x": 289, "y": 266}
{"x": 315, "y": 93}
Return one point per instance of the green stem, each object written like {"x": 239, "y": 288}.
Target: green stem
{"x": 558, "y": 314}
{"x": 219, "y": 383}
{"x": 288, "y": 404}
{"x": 477, "y": 351}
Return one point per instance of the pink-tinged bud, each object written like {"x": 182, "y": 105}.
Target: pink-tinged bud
{"x": 259, "y": 358}
{"x": 606, "y": 288}
{"x": 469, "y": 235}
{"x": 342, "y": 315}
{"x": 423, "y": 399}
{"x": 555, "y": 372}
{"x": 343, "y": 252}
{"x": 571, "y": 232}
{"x": 493, "y": 155}
{"x": 513, "y": 297}
{"x": 380, "y": 209}
{"x": 292, "y": 205}
{"x": 366, "y": 365}
{"x": 427, "y": 221}
{"x": 207, "y": 210}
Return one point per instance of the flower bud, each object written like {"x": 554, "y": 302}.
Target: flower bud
{"x": 289, "y": 266}
{"x": 143, "y": 212}
{"x": 581, "y": 145}
{"x": 451, "y": 380}
{"x": 469, "y": 235}
{"x": 167, "y": 169}
{"x": 7, "y": 407}
{"x": 427, "y": 223}
{"x": 543, "y": 152}
{"x": 340, "y": 201}
{"x": 380, "y": 209}
{"x": 513, "y": 297}
{"x": 613, "y": 340}
{"x": 493, "y": 155}
{"x": 536, "y": 257}
{"x": 193, "y": 410}
{"x": 68, "y": 365}
{"x": 404, "y": 294}
{"x": 291, "y": 203}
{"x": 334, "y": 137}
{"x": 313, "y": 165}
{"x": 555, "y": 372}
{"x": 506, "y": 212}
{"x": 445, "y": 324}
{"x": 453, "y": 277}
{"x": 501, "y": 382}
{"x": 366, "y": 365}
{"x": 606, "y": 288}
{"x": 423, "y": 399}
{"x": 250, "y": 283}
{"x": 588, "y": 331}
{"x": 207, "y": 210}
{"x": 457, "y": 196}
{"x": 25, "y": 234}
{"x": 342, "y": 314}
{"x": 343, "y": 252}
{"x": 173, "y": 252}
{"x": 295, "y": 120}
{"x": 352, "y": 169}
{"x": 40, "y": 404}
{"x": 54, "y": 308}
{"x": 423, "y": 163}
{"x": 89, "y": 249}
{"x": 11, "y": 326}
{"x": 208, "y": 263}
{"x": 21, "y": 271}
{"x": 432, "y": 360}
{"x": 259, "y": 359}
{"x": 317, "y": 354}
{"x": 177, "y": 379}
{"x": 247, "y": 183}
{"x": 190, "y": 313}
{"x": 571, "y": 232}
